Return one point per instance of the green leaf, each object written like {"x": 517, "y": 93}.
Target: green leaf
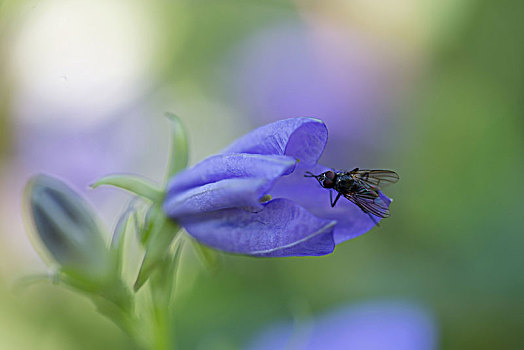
{"x": 134, "y": 184}
{"x": 157, "y": 245}
{"x": 154, "y": 217}
{"x": 178, "y": 157}
{"x": 164, "y": 279}
{"x": 118, "y": 240}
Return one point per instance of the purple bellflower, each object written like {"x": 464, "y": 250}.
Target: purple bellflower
{"x": 253, "y": 198}
{"x": 378, "y": 325}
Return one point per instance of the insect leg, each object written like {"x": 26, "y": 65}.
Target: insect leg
{"x": 331, "y": 198}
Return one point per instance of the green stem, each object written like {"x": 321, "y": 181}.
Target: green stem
{"x": 162, "y": 335}
{"x": 122, "y": 315}
{"x": 162, "y": 288}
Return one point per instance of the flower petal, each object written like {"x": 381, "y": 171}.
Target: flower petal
{"x": 228, "y": 193}
{"x": 227, "y": 166}
{"x": 302, "y": 138}
{"x": 225, "y": 181}
{"x": 351, "y": 220}
{"x": 282, "y": 228}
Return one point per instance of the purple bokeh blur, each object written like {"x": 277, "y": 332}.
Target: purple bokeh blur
{"x": 341, "y": 77}
{"x": 78, "y": 154}
{"x": 377, "y": 325}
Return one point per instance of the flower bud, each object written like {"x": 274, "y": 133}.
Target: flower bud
{"x": 67, "y": 227}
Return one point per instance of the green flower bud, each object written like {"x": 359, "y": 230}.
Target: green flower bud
{"x": 67, "y": 227}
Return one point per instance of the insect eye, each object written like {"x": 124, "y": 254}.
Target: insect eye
{"x": 330, "y": 175}
{"x": 327, "y": 183}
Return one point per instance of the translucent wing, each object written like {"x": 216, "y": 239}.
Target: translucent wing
{"x": 370, "y": 202}
{"x": 375, "y": 177}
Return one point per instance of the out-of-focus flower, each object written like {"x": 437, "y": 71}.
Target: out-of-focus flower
{"x": 382, "y": 325}
{"x": 67, "y": 227}
{"x": 344, "y": 76}
{"x": 253, "y": 198}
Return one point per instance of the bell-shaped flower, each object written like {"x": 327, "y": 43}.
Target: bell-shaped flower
{"x": 253, "y": 198}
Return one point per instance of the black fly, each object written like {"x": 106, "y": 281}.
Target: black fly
{"x": 360, "y": 187}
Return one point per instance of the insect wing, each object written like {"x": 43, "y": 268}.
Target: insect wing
{"x": 369, "y": 202}
{"x": 375, "y": 177}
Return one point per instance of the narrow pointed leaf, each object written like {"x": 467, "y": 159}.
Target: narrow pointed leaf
{"x": 134, "y": 184}
{"x": 178, "y": 157}
{"x": 164, "y": 279}
{"x": 118, "y": 240}
{"x": 162, "y": 233}
{"x": 172, "y": 270}
{"x": 153, "y": 218}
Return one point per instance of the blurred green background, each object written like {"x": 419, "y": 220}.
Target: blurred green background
{"x": 431, "y": 89}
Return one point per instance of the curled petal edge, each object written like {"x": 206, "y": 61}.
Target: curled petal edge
{"x": 302, "y": 138}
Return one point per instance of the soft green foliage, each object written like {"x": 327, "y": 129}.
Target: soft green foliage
{"x": 68, "y": 229}
{"x": 156, "y": 246}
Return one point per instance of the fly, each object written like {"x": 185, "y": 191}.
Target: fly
{"x": 361, "y": 187}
